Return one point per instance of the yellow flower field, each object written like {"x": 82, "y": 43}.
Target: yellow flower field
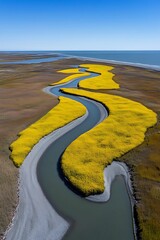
{"x": 85, "y": 159}
{"x": 103, "y": 81}
{"x": 76, "y": 74}
{"x": 66, "y": 111}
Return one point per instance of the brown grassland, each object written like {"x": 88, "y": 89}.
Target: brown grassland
{"x": 145, "y": 159}
{"x": 22, "y": 102}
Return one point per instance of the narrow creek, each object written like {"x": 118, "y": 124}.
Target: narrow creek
{"x": 111, "y": 220}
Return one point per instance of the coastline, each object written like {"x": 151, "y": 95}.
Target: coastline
{"x": 61, "y": 56}
{"x": 123, "y": 63}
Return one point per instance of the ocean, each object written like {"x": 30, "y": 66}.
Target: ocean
{"x": 151, "y": 58}
{"x": 146, "y": 59}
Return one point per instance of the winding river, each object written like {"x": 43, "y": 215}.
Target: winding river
{"x": 88, "y": 220}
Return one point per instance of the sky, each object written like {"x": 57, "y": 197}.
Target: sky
{"x": 80, "y": 25}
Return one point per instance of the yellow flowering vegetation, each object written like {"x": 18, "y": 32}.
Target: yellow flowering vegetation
{"x": 70, "y": 70}
{"x": 85, "y": 159}
{"x": 76, "y": 74}
{"x": 66, "y": 111}
{"x": 103, "y": 81}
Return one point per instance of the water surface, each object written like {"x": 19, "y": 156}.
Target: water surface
{"x": 142, "y": 57}
{"x": 33, "y": 61}
{"x": 89, "y": 220}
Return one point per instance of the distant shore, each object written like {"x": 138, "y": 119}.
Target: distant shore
{"x": 139, "y": 65}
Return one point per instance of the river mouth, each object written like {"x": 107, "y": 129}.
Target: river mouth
{"x": 89, "y": 220}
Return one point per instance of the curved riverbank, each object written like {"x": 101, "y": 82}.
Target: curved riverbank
{"x": 110, "y": 173}
{"x": 35, "y": 218}
{"x": 51, "y": 230}
{"x": 51, "y": 179}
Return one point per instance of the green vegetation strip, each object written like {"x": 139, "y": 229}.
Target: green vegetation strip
{"x": 66, "y": 111}
{"x": 85, "y": 159}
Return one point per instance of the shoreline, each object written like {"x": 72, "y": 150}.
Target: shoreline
{"x": 123, "y": 63}
{"x": 30, "y": 193}
{"x": 61, "y": 56}
{"x": 113, "y": 170}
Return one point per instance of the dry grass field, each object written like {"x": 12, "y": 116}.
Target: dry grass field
{"x": 145, "y": 159}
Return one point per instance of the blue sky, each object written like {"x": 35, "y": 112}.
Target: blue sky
{"x": 80, "y": 25}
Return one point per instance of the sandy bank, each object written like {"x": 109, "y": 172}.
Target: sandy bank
{"x": 35, "y": 218}
{"x": 110, "y": 173}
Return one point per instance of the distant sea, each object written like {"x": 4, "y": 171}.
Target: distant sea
{"x": 151, "y": 58}
{"x": 147, "y": 59}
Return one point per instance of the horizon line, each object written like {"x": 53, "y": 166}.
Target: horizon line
{"x": 43, "y": 50}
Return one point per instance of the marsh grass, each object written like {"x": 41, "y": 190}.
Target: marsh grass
{"x": 8, "y": 196}
{"x": 145, "y": 158}
{"x": 149, "y": 189}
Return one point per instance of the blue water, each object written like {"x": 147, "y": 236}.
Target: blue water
{"x": 28, "y": 52}
{"x": 141, "y": 57}
{"x": 38, "y": 60}
{"x": 89, "y": 220}
{"x": 148, "y": 59}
